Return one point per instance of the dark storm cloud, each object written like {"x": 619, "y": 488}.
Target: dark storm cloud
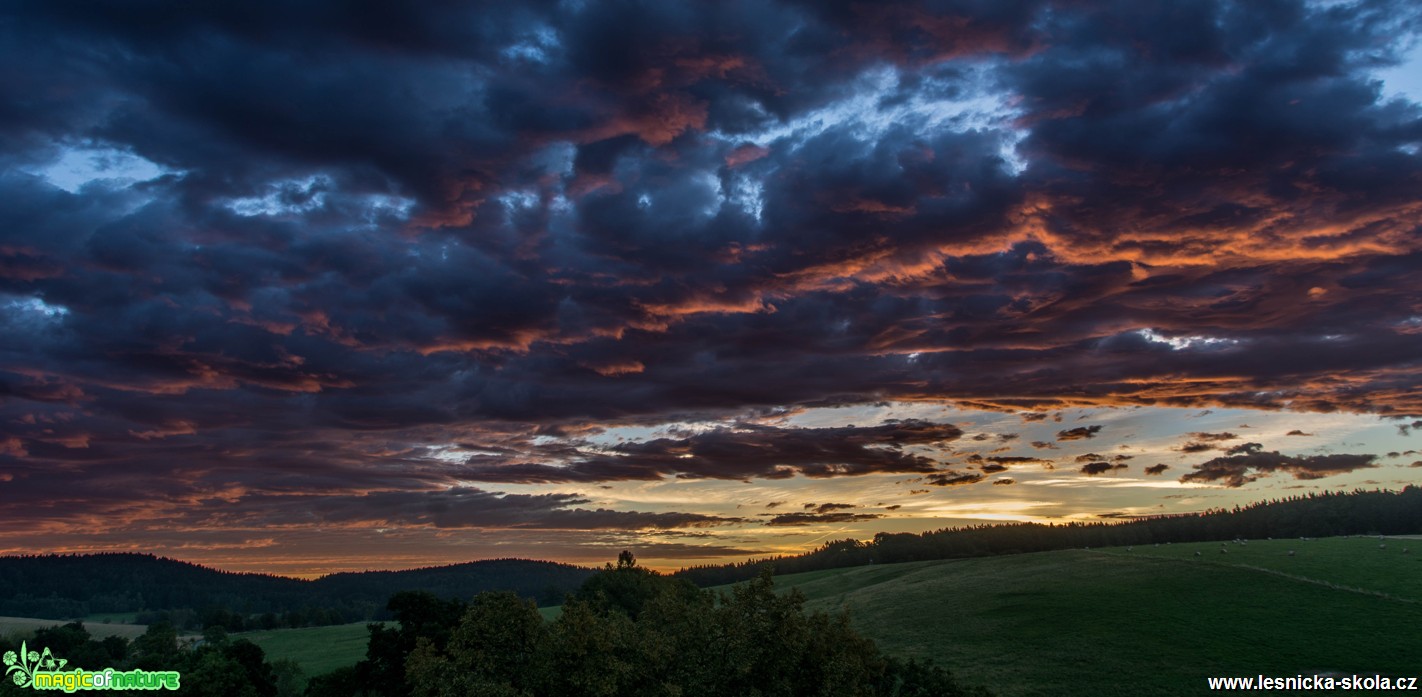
{"x": 796, "y": 519}
{"x": 954, "y": 478}
{"x": 681, "y": 550}
{"x": 373, "y": 234}
{"x": 1297, "y": 432}
{"x": 1213, "y": 437}
{"x": 828, "y": 507}
{"x": 1079, "y": 433}
{"x": 1099, "y": 467}
{"x": 1245, "y": 449}
{"x": 1246, "y": 464}
{"x": 457, "y": 507}
{"x": 473, "y": 508}
{"x": 1017, "y": 460}
{"x": 742, "y": 452}
{"x": 1157, "y": 468}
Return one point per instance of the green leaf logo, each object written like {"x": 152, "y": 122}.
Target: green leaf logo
{"x": 21, "y": 667}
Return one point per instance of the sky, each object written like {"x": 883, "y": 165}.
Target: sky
{"x": 311, "y": 287}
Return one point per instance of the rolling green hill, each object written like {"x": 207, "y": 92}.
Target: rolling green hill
{"x": 1151, "y": 620}
{"x": 317, "y": 650}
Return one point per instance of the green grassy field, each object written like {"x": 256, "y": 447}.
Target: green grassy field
{"x": 1152, "y": 620}
{"x": 317, "y": 650}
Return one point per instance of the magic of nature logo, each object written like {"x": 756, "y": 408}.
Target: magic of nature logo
{"x": 43, "y": 670}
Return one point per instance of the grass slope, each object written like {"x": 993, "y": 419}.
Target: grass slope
{"x": 317, "y": 650}
{"x": 1153, "y": 620}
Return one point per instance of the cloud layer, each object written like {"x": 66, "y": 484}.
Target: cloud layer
{"x": 253, "y": 252}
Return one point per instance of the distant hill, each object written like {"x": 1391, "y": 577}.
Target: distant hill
{"x": 543, "y": 581}
{"x": 63, "y": 586}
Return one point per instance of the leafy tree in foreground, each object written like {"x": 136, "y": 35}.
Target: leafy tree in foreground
{"x": 631, "y": 632}
{"x": 419, "y": 615}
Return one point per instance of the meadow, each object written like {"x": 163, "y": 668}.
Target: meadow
{"x": 1111, "y": 621}
{"x": 1143, "y": 620}
{"x": 317, "y": 650}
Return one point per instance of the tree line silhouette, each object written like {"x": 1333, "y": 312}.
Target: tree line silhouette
{"x": 629, "y": 632}
{"x": 1323, "y": 514}
{"x": 66, "y": 586}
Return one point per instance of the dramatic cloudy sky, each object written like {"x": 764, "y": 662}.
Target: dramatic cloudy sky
{"x": 311, "y": 286}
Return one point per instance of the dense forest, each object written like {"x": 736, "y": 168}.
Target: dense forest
{"x": 629, "y": 632}
{"x": 1315, "y": 515}
{"x": 192, "y": 596}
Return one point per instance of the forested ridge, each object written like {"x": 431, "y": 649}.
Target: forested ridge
{"x": 1325, "y": 514}
{"x": 64, "y": 586}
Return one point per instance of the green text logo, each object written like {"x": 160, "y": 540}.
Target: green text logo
{"x": 43, "y": 671}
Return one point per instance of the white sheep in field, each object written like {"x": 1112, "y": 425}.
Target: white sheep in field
{"x": 1382, "y": 546}
{"x": 1291, "y": 552}
{"x": 1197, "y": 554}
{"x": 1224, "y": 551}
